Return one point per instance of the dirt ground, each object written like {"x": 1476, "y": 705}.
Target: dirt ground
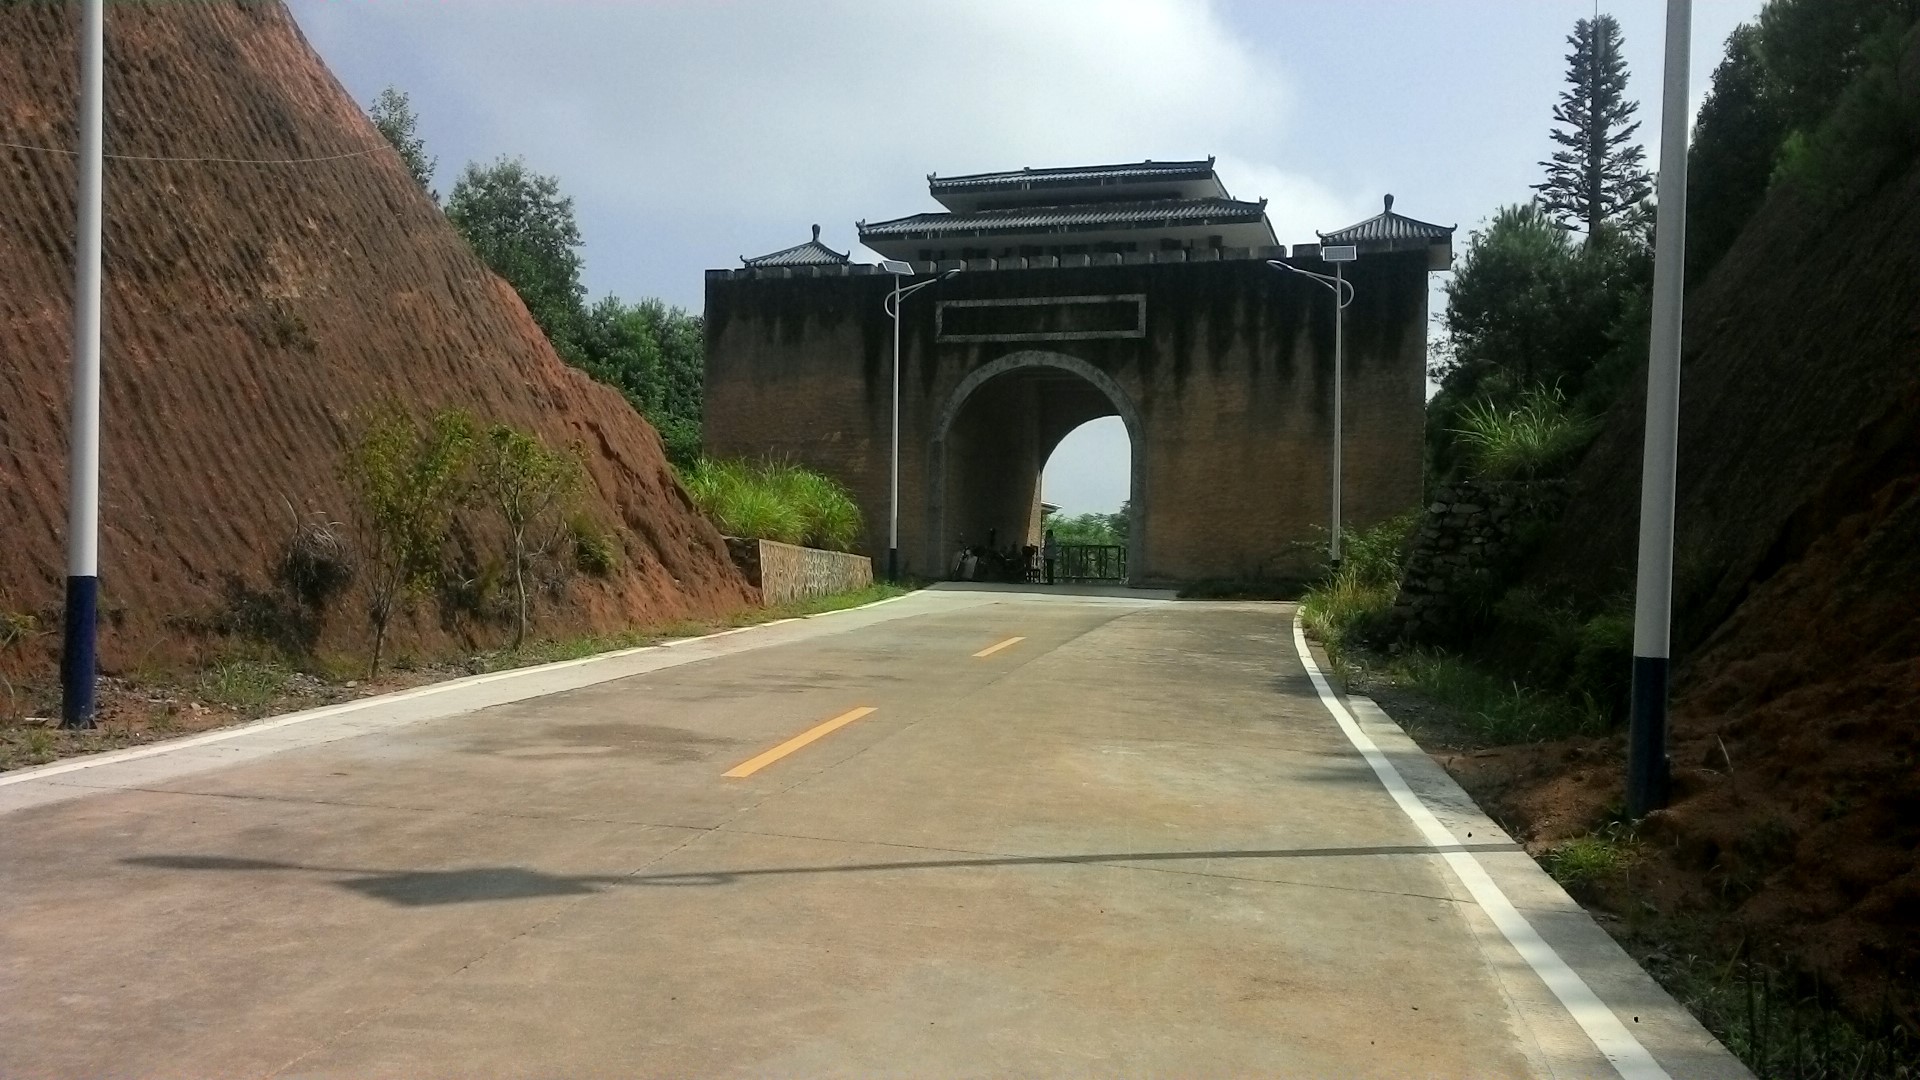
{"x": 1795, "y": 819}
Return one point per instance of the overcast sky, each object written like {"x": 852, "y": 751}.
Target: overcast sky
{"x": 692, "y": 132}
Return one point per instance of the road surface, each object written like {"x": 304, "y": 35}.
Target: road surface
{"x": 965, "y": 833}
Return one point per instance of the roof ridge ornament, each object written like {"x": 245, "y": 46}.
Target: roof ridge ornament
{"x": 1389, "y": 204}
{"x": 816, "y": 228}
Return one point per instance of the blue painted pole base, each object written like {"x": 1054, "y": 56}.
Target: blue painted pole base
{"x": 893, "y": 564}
{"x": 77, "y": 665}
{"x": 1649, "y": 769}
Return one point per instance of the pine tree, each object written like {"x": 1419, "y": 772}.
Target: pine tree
{"x": 393, "y": 114}
{"x": 1600, "y": 173}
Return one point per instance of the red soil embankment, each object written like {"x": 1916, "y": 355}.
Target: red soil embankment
{"x": 254, "y": 314}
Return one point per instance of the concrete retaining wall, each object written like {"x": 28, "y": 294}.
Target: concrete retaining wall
{"x": 787, "y": 572}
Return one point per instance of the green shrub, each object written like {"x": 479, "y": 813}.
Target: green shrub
{"x": 16, "y": 627}
{"x": 1525, "y": 440}
{"x": 407, "y": 480}
{"x": 774, "y": 501}
{"x": 1353, "y": 605}
{"x": 1346, "y": 611}
{"x": 1492, "y": 710}
{"x": 594, "y": 551}
{"x": 1603, "y": 661}
{"x": 525, "y": 483}
{"x": 1585, "y": 860}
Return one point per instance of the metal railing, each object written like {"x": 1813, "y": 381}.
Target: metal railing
{"x": 1088, "y": 563}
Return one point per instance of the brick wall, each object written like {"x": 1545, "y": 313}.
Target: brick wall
{"x": 1227, "y": 387}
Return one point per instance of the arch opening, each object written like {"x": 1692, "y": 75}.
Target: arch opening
{"x": 991, "y": 448}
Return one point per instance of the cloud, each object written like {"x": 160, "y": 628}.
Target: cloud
{"x": 746, "y": 121}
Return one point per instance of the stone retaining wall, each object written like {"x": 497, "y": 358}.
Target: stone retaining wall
{"x": 1470, "y": 537}
{"x": 786, "y": 572}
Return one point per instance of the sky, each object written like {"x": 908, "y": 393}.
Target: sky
{"x": 693, "y": 132}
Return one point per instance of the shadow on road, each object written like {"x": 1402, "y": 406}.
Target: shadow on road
{"x": 426, "y": 888}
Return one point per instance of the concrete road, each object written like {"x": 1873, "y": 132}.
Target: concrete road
{"x": 961, "y": 834}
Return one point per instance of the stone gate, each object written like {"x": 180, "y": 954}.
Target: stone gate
{"x": 1220, "y": 366}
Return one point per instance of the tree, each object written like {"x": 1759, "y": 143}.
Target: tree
{"x": 1530, "y": 309}
{"x": 523, "y": 228}
{"x": 407, "y": 482}
{"x": 1735, "y": 142}
{"x": 393, "y": 114}
{"x": 1090, "y": 528}
{"x": 1599, "y": 173}
{"x": 655, "y": 355}
{"x": 527, "y": 484}
{"x": 1813, "y": 49}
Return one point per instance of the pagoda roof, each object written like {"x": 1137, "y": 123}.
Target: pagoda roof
{"x": 1087, "y": 216}
{"x": 1388, "y": 231}
{"x": 811, "y": 253}
{"x": 1072, "y": 176}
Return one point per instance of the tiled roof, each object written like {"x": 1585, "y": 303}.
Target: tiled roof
{"x": 1390, "y": 228}
{"x": 1076, "y": 176}
{"x": 811, "y": 253}
{"x": 1080, "y": 216}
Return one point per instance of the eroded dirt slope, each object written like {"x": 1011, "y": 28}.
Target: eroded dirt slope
{"x": 254, "y": 314}
{"x": 1796, "y": 820}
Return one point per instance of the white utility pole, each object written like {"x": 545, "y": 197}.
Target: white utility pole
{"x": 1647, "y": 764}
{"x": 83, "y": 448}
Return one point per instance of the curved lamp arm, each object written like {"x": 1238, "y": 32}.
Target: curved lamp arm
{"x": 891, "y": 305}
{"x": 1341, "y": 288}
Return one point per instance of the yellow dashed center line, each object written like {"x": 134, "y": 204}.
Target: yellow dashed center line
{"x": 991, "y": 649}
{"x": 755, "y": 764}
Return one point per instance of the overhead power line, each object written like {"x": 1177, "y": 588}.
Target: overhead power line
{"x": 200, "y": 160}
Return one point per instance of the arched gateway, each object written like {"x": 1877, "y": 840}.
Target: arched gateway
{"x": 1152, "y": 310}
{"x": 994, "y": 437}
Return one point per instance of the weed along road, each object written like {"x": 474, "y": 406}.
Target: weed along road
{"x": 964, "y": 833}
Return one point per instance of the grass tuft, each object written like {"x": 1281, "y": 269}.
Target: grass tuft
{"x": 1353, "y": 604}
{"x": 1585, "y": 860}
{"x": 1525, "y": 440}
{"x": 1493, "y": 711}
{"x": 244, "y": 685}
{"x": 775, "y": 500}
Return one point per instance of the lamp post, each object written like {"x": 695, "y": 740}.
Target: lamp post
{"x": 1647, "y": 765}
{"x": 1342, "y": 296}
{"x": 83, "y": 437}
{"x": 899, "y": 270}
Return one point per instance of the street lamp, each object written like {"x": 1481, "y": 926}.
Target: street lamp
{"x": 1342, "y": 296}
{"x": 891, "y": 305}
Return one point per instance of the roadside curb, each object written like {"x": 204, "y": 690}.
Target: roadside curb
{"x": 1625, "y": 1015}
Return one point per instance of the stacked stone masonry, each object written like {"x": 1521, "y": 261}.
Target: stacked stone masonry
{"x": 785, "y": 572}
{"x": 1468, "y": 541}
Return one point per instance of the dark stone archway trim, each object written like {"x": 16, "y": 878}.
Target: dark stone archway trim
{"x": 1038, "y": 358}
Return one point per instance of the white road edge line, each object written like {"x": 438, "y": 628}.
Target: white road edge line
{"x": 1630, "y": 1059}
{"x": 111, "y": 757}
